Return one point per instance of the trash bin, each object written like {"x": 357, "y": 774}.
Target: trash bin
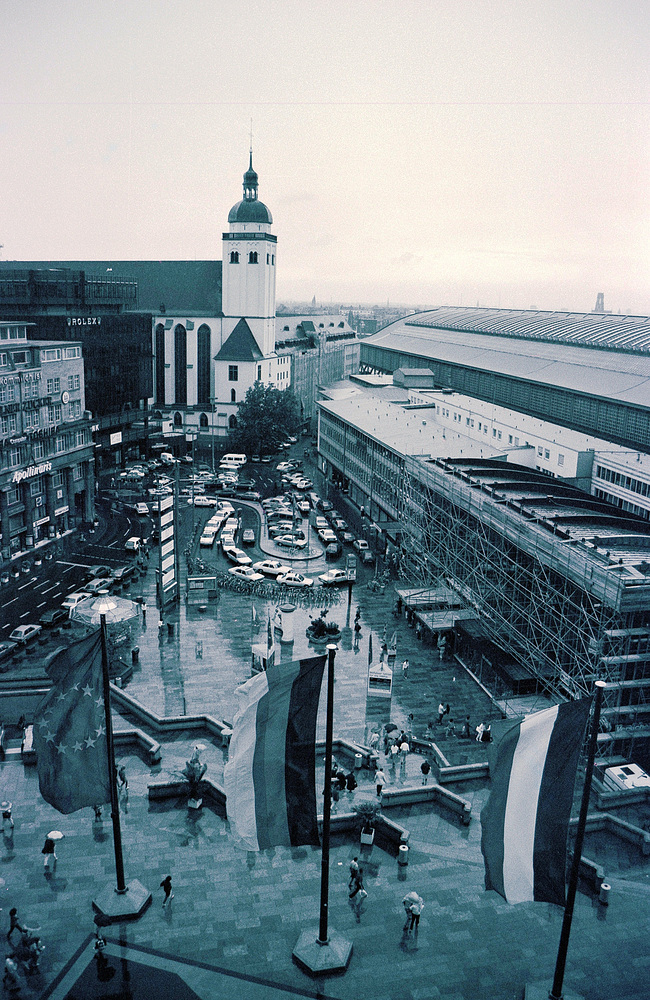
{"x": 135, "y": 654}
{"x": 603, "y": 896}
{"x": 358, "y": 760}
{"x": 403, "y": 855}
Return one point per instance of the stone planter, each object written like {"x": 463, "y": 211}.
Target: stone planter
{"x": 368, "y": 836}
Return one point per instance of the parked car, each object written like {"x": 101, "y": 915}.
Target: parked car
{"x": 53, "y": 617}
{"x": 245, "y": 573}
{"x": 251, "y": 495}
{"x": 271, "y": 567}
{"x": 207, "y": 538}
{"x": 72, "y": 600}
{"x": 141, "y": 508}
{"x": 290, "y": 542}
{"x": 347, "y": 537}
{"x": 255, "y": 458}
{"x": 95, "y": 571}
{"x": 326, "y": 536}
{"x": 237, "y": 555}
{"x": 248, "y": 537}
{"x": 339, "y": 524}
{"x": 122, "y": 573}
{"x": 321, "y": 523}
{"x": 333, "y": 550}
{"x": 133, "y": 544}
{"x": 284, "y": 466}
{"x": 24, "y": 634}
{"x": 367, "y": 557}
{"x": 203, "y": 501}
{"x": 325, "y": 505}
{"x": 303, "y": 506}
{"x": 360, "y": 544}
{"x": 7, "y": 649}
{"x": 266, "y": 459}
{"x": 281, "y": 528}
{"x": 99, "y": 583}
{"x": 333, "y": 576}
{"x": 245, "y": 484}
{"x": 293, "y": 579}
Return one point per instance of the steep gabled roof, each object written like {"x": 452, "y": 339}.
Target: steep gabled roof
{"x": 240, "y": 345}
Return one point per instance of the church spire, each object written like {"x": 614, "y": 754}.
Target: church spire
{"x": 250, "y": 178}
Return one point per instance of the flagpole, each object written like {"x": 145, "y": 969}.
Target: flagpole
{"x": 327, "y": 796}
{"x": 558, "y": 978}
{"x": 112, "y": 777}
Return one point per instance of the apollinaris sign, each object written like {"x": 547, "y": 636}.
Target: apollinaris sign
{"x": 31, "y": 471}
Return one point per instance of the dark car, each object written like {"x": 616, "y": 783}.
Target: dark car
{"x": 245, "y": 484}
{"x": 325, "y": 505}
{"x": 122, "y": 573}
{"x": 333, "y": 550}
{"x": 250, "y": 495}
{"x": 7, "y": 649}
{"x": 367, "y": 557}
{"x": 54, "y": 617}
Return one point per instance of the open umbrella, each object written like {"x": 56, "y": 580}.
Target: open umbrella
{"x": 55, "y": 835}
{"x": 390, "y": 727}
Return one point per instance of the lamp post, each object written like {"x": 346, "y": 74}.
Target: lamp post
{"x": 213, "y": 400}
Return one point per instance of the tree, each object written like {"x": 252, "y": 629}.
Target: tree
{"x": 265, "y": 418}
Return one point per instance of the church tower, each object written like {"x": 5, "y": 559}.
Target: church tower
{"x": 248, "y": 269}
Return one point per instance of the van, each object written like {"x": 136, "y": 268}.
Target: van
{"x": 167, "y": 458}
{"x": 232, "y": 458}
{"x": 99, "y": 583}
{"x": 132, "y": 544}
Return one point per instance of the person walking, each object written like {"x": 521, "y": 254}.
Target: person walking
{"x": 166, "y": 886}
{"x": 49, "y": 850}
{"x": 144, "y": 613}
{"x": 394, "y": 753}
{"x": 350, "y": 781}
{"x": 414, "y": 914}
{"x": 354, "y": 868}
{"x": 122, "y": 778}
{"x": 357, "y": 887}
{"x": 7, "y": 818}
{"x": 405, "y": 669}
{"x": 441, "y": 713}
{"x": 380, "y": 780}
{"x": 425, "y": 767}
{"x": 98, "y": 813}
{"x": 14, "y": 923}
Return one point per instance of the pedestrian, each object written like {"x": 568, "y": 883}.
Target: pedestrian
{"x": 98, "y": 813}
{"x": 441, "y": 713}
{"x": 342, "y": 779}
{"x": 399, "y": 605}
{"x": 144, "y": 613}
{"x": 425, "y": 767}
{"x": 380, "y": 781}
{"x": 447, "y": 709}
{"x": 356, "y": 886}
{"x": 414, "y": 913}
{"x": 354, "y": 869}
{"x": 374, "y": 739}
{"x": 466, "y": 728}
{"x": 350, "y": 781}
{"x": 34, "y": 949}
{"x": 405, "y": 668}
{"x": 10, "y": 977}
{"x": 49, "y": 850}
{"x": 418, "y": 630}
{"x": 166, "y": 886}
{"x": 7, "y": 818}
{"x": 480, "y": 729}
{"x": 2, "y": 741}
{"x": 394, "y": 751}
{"x": 122, "y": 778}
{"x": 14, "y": 923}
{"x": 409, "y": 725}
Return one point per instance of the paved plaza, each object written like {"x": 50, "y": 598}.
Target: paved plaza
{"x": 236, "y": 916}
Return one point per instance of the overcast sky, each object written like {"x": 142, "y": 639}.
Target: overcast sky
{"x": 440, "y": 152}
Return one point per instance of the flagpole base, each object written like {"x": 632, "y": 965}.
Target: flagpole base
{"x": 116, "y": 906}
{"x": 320, "y": 959}
{"x": 542, "y": 991}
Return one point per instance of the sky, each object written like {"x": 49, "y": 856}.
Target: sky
{"x": 424, "y": 153}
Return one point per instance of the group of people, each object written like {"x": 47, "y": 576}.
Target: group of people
{"x": 342, "y": 781}
{"x": 26, "y": 952}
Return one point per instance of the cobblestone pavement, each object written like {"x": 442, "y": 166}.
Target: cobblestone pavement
{"x": 236, "y": 916}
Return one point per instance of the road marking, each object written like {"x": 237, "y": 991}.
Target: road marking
{"x": 42, "y": 604}
{"x": 28, "y": 584}
{"x": 111, "y": 544}
{"x": 60, "y": 562}
{"x": 10, "y": 602}
{"x": 53, "y": 587}
{"x": 6, "y": 626}
{"x": 27, "y": 613}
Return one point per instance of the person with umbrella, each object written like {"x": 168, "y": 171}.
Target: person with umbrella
{"x": 49, "y": 848}
{"x": 413, "y": 904}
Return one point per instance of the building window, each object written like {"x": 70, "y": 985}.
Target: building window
{"x": 54, "y": 413}
{"x": 234, "y": 257}
{"x": 233, "y": 396}
{"x": 73, "y": 382}
{"x": 233, "y": 373}
{"x": 36, "y": 486}
{"x": 39, "y": 451}
{"x": 203, "y": 361}
{"x": 3, "y": 360}
{"x": 180, "y": 366}
{"x": 178, "y": 420}
{"x": 252, "y": 257}
{"x": 7, "y": 393}
{"x": 259, "y": 373}
{"x": 547, "y": 453}
{"x": 203, "y": 420}
{"x": 78, "y": 472}
{"x": 58, "y": 479}
{"x": 273, "y": 262}
{"x": 60, "y": 444}
{"x": 560, "y": 459}
{"x": 80, "y": 438}
{"x": 52, "y": 354}
{"x": 232, "y": 422}
{"x": 540, "y": 451}
{"x": 14, "y": 457}
{"x": 72, "y": 352}
{"x": 13, "y": 496}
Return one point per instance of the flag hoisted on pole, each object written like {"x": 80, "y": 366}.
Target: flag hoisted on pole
{"x": 525, "y": 821}
{"x": 270, "y": 776}
{"x": 70, "y": 729}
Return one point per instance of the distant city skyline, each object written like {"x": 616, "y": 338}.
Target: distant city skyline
{"x": 422, "y": 153}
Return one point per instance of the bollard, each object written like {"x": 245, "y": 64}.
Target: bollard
{"x": 603, "y": 896}
{"x": 135, "y": 655}
{"x": 358, "y": 760}
{"x": 403, "y": 855}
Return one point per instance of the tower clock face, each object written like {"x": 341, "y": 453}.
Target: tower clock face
{"x": 65, "y": 397}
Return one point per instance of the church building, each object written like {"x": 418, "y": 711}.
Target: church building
{"x": 204, "y": 365}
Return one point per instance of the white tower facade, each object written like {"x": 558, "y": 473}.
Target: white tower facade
{"x": 248, "y": 269}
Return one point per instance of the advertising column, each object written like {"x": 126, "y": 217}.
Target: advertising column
{"x": 167, "y": 578}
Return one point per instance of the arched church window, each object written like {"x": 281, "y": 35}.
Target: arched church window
{"x": 178, "y": 419}
{"x": 252, "y": 257}
{"x": 232, "y": 422}
{"x": 234, "y": 257}
{"x": 203, "y": 420}
{"x": 157, "y": 415}
{"x": 233, "y": 396}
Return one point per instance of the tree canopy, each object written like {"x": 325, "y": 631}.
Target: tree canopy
{"x": 265, "y": 417}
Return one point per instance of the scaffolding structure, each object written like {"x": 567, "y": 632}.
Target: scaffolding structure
{"x": 556, "y": 605}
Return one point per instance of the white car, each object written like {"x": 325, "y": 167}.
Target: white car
{"x": 333, "y": 576}
{"x": 202, "y": 501}
{"x": 284, "y": 466}
{"x": 293, "y": 579}
{"x": 141, "y": 508}
{"x": 271, "y": 567}
{"x": 72, "y": 600}
{"x": 326, "y": 536}
{"x": 24, "y": 633}
{"x": 237, "y": 555}
{"x": 207, "y": 539}
{"x": 321, "y": 523}
{"x": 303, "y": 506}
{"x": 290, "y": 542}
{"x": 360, "y": 544}
{"x": 246, "y": 573}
